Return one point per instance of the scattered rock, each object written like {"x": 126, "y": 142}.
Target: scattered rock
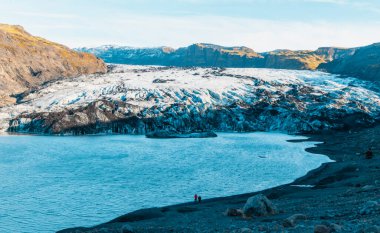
{"x": 321, "y": 229}
{"x": 292, "y": 220}
{"x": 259, "y": 205}
{"x": 126, "y": 229}
{"x": 243, "y": 230}
{"x": 335, "y": 227}
{"x": 368, "y": 188}
{"x": 370, "y": 207}
{"x": 163, "y": 80}
{"x": 233, "y": 212}
{"x": 372, "y": 229}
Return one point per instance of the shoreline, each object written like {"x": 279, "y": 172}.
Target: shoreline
{"x": 350, "y": 179}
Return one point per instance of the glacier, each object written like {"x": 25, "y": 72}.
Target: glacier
{"x": 139, "y": 99}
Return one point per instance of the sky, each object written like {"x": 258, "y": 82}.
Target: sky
{"x": 263, "y": 25}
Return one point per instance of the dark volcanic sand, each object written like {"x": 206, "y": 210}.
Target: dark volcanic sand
{"x": 340, "y": 190}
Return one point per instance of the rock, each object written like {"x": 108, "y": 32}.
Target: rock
{"x": 126, "y": 229}
{"x": 369, "y": 229}
{"x": 292, "y": 220}
{"x": 335, "y": 227}
{"x": 321, "y": 229}
{"x": 370, "y": 207}
{"x": 368, "y": 188}
{"x": 372, "y": 229}
{"x": 233, "y": 212}
{"x": 259, "y": 205}
{"x": 243, "y": 230}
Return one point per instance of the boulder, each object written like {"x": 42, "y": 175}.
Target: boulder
{"x": 243, "y": 230}
{"x": 371, "y": 229}
{"x": 126, "y": 229}
{"x": 233, "y": 212}
{"x": 336, "y": 228}
{"x": 259, "y": 205}
{"x": 292, "y": 220}
{"x": 370, "y": 207}
{"x": 322, "y": 229}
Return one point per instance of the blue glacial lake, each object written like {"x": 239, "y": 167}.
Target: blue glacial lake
{"x": 51, "y": 183}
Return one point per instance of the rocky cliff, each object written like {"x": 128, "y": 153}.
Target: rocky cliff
{"x": 363, "y": 63}
{"x": 27, "y": 61}
{"x": 209, "y": 55}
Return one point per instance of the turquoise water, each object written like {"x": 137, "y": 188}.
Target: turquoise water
{"x": 51, "y": 183}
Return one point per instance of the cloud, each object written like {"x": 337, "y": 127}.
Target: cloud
{"x": 371, "y": 6}
{"x": 45, "y": 15}
{"x": 301, "y": 28}
{"x": 261, "y": 35}
{"x": 329, "y": 1}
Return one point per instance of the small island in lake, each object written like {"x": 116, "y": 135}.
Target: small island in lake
{"x": 175, "y": 134}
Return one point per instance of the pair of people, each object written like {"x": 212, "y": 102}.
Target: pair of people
{"x": 197, "y": 198}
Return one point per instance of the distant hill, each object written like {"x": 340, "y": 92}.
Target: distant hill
{"x": 27, "y": 61}
{"x": 364, "y": 63}
{"x": 209, "y": 55}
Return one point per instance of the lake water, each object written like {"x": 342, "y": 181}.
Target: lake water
{"x": 51, "y": 183}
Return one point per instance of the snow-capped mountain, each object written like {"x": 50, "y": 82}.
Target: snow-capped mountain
{"x": 140, "y": 99}
{"x": 130, "y": 55}
{"x": 210, "y": 55}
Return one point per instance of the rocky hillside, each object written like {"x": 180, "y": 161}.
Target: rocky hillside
{"x": 209, "y": 55}
{"x": 141, "y": 99}
{"x": 27, "y": 61}
{"x": 364, "y": 63}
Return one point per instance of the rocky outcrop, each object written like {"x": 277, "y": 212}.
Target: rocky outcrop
{"x": 208, "y": 55}
{"x": 334, "y": 53}
{"x": 363, "y": 63}
{"x": 27, "y": 61}
{"x": 296, "y": 60}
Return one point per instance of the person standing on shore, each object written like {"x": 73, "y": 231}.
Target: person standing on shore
{"x": 199, "y": 199}
{"x": 195, "y": 197}
{"x": 369, "y": 154}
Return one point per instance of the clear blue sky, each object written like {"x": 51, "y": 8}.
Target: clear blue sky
{"x": 260, "y": 24}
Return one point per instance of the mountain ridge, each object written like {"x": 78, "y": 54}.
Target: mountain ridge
{"x": 27, "y": 61}
{"x": 211, "y": 55}
{"x": 190, "y": 55}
